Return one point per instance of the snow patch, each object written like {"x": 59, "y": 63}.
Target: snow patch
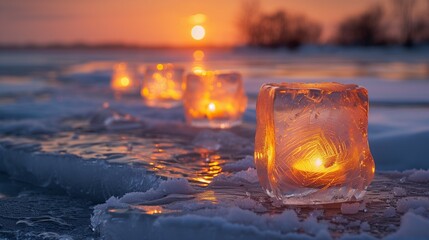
{"x": 165, "y": 188}
{"x": 420, "y": 176}
{"x": 407, "y": 203}
{"x": 240, "y": 165}
{"x": 248, "y": 176}
{"x": 412, "y": 227}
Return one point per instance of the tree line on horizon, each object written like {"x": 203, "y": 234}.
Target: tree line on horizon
{"x": 401, "y": 22}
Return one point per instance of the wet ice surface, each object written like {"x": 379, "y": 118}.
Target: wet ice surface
{"x": 62, "y": 129}
{"x": 27, "y": 212}
{"x": 235, "y": 204}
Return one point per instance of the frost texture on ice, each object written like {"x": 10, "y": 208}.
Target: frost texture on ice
{"x": 399, "y": 192}
{"x": 311, "y": 143}
{"x": 389, "y": 212}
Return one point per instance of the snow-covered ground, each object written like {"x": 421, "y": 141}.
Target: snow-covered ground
{"x": 62, "y": 128}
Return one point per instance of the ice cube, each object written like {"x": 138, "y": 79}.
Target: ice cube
{"x": 311, "y": 142}
{"x": 214, "y": 99}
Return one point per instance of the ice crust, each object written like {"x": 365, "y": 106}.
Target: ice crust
{"x": 239, "y": 219}
{"x": 213, "y": 221}
{"x": 90, "y": 178}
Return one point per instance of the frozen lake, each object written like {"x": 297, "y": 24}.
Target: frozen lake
{"x": 53, "y": 139}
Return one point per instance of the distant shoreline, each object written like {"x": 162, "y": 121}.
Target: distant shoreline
{"x": 120, "y": 46}
{"x": 107, "y": 46}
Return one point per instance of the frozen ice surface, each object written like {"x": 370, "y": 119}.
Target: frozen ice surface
{"x": 229, "y": 210}
{"x": 109, "y": 119}
{"x": 389, "y": 212}
{"x": 365, "y": 226}
{"x": 95, "y": 179}
{"x": 399, "y": 192}
{"x": 28, "y": 212}
{"x": 350, "y": 208}
{"x": 47, "y": 101}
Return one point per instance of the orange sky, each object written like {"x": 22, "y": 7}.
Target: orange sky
{"x": 148, "y": 22}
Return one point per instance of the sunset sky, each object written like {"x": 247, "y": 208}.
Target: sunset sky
{"x": 147, "y": 22}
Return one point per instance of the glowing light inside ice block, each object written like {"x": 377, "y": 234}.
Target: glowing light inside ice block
{"x": 122, "y": 80}
{"x": 311, "y": 143}
{"x": 163, "y": 85}
{"x": 214, "y": 99}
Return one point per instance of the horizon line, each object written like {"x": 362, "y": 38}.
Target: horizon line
{"x": 111, "y": 45}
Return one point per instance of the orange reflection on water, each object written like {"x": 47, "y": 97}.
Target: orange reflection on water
{"x": 153, "y": 210}
{"x": 198, "y": 65}
{"x": 210, "y": 169}
{"x": 198, "y": 55}
{"x": 207, "y": 196}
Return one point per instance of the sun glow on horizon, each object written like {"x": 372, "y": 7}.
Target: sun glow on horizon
{"x": 198, "y": 32}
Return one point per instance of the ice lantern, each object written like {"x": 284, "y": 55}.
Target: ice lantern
{"x": 311, "y": 143}
{"x": 122, "y": 80}
{"x": 163, "y": 85}
{"x": 214, "y": 99}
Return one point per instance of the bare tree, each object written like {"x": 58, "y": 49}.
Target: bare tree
{"x": 279, "y": 29}
{"x": 248, "y": 17}
{"x": 365, "y": 29}
{"x": 405, "y": 11}
{"x": 421, "y": 27}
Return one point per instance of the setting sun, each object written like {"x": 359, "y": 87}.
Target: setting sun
{"x": 198, "y": 32}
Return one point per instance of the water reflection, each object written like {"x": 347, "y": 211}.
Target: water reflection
{"x": 154, "y": 209}
{"x": 198, "y": 66}
{"x": 171, "y": 157}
